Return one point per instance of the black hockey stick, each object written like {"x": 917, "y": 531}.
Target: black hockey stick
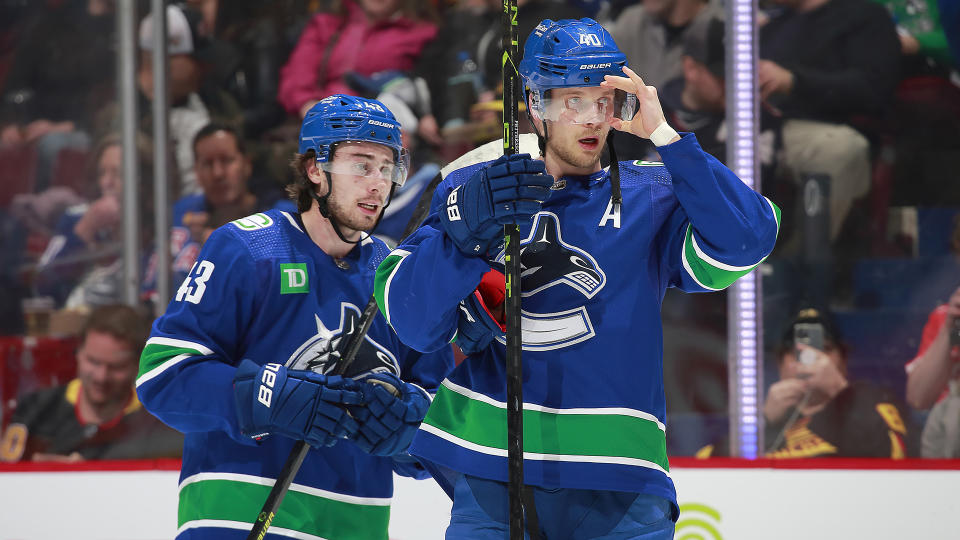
{"x": 512, "y": 271}
{"x": 299, "y": 451}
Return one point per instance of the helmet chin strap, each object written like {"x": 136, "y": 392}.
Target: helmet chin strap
{"x": 615, "y": 193}
{"x": 324, "y": 208}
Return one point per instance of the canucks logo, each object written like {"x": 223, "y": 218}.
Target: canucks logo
{"x": 546, "y": 261}
{"x": 322, "y": 352}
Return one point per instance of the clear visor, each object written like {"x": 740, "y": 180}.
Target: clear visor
{"x": 365, "y": 160}
{"x": 588, "y": 108}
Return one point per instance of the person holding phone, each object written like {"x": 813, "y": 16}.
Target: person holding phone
{"x": 815, "y": 410}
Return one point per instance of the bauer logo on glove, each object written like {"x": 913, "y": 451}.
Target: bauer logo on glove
{"x": 510, "y": 189}
{"x": 299, "y": 404}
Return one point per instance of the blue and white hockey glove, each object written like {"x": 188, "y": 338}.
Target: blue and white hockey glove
{"x": 481, "y": 314}
{"x": 302, "y": 405}
{"x": 508, "y": 190}
{"x": 391, "y": 414}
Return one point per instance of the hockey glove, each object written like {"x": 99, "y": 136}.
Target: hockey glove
{"x": 302, "y": 405}
{"x": 392, "y": 413}
{"x": 481, "y": 314}
{"x": 508, "y": 190}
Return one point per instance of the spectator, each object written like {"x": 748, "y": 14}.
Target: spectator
{"x": 847, "y": 65}
{"x": 697, "y": 100}
{"x": 223, "y": 172}
{"x": 931, "y": 372}
{"x": 814, "y": 410}
{"x": 248, "y": 51}
{"x": 422, "y": 169}
{"x": 97, "y": 415}
{"x": 59, "y": 78}
{"x": 932, "y": 380}
{"x": 651, "y": 33}
{"x": 366, "y": 37}
{"x": 921, "y": 37}
{"x": 193, "y": 104}
{"x": 86, "y": 241}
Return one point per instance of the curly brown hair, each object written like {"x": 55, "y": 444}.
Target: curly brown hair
{"x": 299, "y": 190}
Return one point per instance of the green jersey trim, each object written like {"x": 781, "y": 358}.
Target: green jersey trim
{"x": 243, "y": 526}
{"x": 710, "y": 273}
{"x": 616, "y": 435}
{"x": 231, "y": 499}
{"x": 160, "y": 354}
{"x": 385, "y": 273}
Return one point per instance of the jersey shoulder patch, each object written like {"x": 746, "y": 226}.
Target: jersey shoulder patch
{"x": 640, "y": 172}
{"x": 253, "y": 222}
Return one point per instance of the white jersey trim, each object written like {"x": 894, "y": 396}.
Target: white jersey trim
{"x": 292, "y": 221}
{"x": 622, "y": 411}
{"x": 170, "y": 342}
{"x": 402, "y": 253}
{"x": 500, "y": 452}
{"x": 243, "y": 526}
{"x": 262, "y": 481}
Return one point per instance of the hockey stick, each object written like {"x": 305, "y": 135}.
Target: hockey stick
{"x": 299, "y": 451}
{"x": 511, "y": 234}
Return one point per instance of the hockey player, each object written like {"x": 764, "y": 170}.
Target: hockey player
{"x": 597, "y": 256}
{"x": 245, "y": 359}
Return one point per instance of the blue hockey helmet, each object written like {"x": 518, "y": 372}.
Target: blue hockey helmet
{"x": 340, "y": 118}
{"x": 572, "y": 53}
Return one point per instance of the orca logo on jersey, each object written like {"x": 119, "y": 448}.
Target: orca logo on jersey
{"x": 546, "y": 260}
{"x": 322, "y": 352}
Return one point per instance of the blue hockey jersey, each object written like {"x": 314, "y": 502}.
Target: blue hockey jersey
{"x": 261, "y": 289}
{"x": 593, "y": 280}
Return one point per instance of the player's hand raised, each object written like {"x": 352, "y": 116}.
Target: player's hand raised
{"x": 649, "y": 111}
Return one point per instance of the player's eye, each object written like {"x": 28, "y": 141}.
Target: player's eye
{"x": 387, "y": 171}
{"x": 360, "y": 168}
{"x": 574, "y": 103}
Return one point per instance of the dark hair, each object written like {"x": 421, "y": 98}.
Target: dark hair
{"x": 299, "y": 190}
{"x": 121, "y": 321}
{"x": 213, "y": 127}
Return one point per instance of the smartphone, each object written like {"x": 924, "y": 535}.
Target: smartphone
{"x": 811, "y": 335}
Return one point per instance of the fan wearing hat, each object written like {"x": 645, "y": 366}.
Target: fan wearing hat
{"x": 696, "y": 100}
{"x": 815, "y": 410}
{"x": 192, "y": 103}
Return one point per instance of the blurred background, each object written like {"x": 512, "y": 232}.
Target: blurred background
{"x": 859, "y": 145}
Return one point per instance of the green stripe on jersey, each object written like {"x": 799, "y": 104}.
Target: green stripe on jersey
{"x": 229, "y": 500}
{"x": 710, "y": 273}
{"x": 582, "y": 435}
{"x": 381, "y": 285}
{"x": 160, "y": 350}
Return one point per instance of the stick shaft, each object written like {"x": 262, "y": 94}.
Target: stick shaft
{"x": 512, "y": 269}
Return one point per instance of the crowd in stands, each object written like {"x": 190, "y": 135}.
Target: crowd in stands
{"x": 859, "y": 143}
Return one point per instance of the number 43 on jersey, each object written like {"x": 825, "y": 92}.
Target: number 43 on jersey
{"x": 196, "y": 282}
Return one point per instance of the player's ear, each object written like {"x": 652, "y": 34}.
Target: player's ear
{"x": 314, "y": 174}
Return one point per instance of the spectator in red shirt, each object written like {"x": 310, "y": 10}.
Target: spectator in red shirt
{"x": 929, "y": 373}
{"x": 365, "y": 37}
